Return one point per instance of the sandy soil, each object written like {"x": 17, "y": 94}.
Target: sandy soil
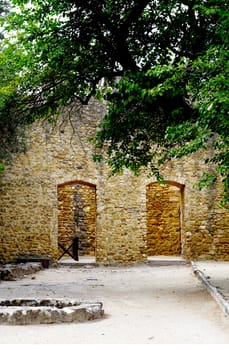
{"x": 143, "y": 305}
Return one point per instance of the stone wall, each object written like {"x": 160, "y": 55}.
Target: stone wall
{"x": 203, "y": 220}
{"x": 39, "y": 191}
{"x": 163, "y": 219}
{"x": 77, "y": 216}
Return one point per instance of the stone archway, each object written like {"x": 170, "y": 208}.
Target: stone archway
{"x": 164, "y": 218}
{"x": 77, "y": 216}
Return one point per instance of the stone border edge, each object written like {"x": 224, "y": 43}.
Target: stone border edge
{"x": 224, "y": 305}
{"x": 48, "y": 311}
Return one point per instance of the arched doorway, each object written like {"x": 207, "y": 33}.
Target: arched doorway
{"x": 77, "y": 217}
{"x": 164, "y": 218}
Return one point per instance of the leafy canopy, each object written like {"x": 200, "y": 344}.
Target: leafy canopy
{"x": 164, "y": 67}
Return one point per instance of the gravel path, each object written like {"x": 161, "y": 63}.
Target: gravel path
{"x": 143, "y": 305}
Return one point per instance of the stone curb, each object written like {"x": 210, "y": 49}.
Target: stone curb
{"x": 25, "y": 311}
{"x": 11, "y": 272}
{"x": 224, "y": 305}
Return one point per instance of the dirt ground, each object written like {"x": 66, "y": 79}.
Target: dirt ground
{"x": 143, "y": 305}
